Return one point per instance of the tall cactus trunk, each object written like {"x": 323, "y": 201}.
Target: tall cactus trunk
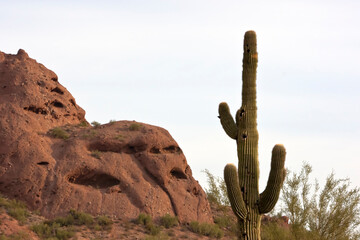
{"x": 243, "y": 184}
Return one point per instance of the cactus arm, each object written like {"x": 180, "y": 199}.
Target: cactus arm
{"x": 270, "y": 195}
{"x": 227, "y": 121}
{"x": 234, "y": 192}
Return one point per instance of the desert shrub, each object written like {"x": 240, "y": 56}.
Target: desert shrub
{"x": 158, "y": 237}
{"x": 81, "y": 218}
{"x": 15, "y": 208}
{"x": 332, "y": 212}
{"x": 89, "y": 134}
{"x": 104, "y": 222}
{"x": 83, "y": 124}
{"x": 95, "y": 124}
{"x": 216, "y": 192}
{"x": 58, "y": 132}
{"x": 135, "y": 127}
{"x": 52, "y": 230}
{"x": 143, "y": 219}
{"x": 272, "y": 231}
{"x": 120, "y": 137}
{"x": 63, "y": 228}
{"x": 146, "y": 220}
{"x": 206, "y": 229}
{"x": 16, "y": 236}
{"x": 112, "y": 121}
{"x": 168, "y": 221}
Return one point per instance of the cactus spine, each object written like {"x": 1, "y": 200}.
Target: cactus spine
{"x": 242, "y": 183}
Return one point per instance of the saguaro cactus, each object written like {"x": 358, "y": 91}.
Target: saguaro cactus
{"x": 242, "y": 184}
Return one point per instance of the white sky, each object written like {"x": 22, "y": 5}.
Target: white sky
{"x": 170, "y": 63}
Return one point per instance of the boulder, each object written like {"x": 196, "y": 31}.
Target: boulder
{"x": 54, "y": 161}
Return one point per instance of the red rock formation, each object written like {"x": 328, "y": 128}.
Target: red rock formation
{"x": 120, "y": 169}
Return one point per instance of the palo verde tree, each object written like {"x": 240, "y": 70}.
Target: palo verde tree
{"x": 331, "y": 212}
{"x": 242, "y": 183}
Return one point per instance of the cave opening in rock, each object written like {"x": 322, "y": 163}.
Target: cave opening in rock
{"x": 57, "y": 90}
{"x": 57, "y": 104}
{"x": 43, "y": 163}
{"x": 93, "y": 178}
{"x": 178, "y": 173}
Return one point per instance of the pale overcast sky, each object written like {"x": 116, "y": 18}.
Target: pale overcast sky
{"x": 170, "y": 63}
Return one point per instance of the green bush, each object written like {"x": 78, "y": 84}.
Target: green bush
{"x": 146, "y": 220}
{"x": 272, "y": 231}
{"x": 104, "y": 222}
{"x": 143, "y": 219}
{"x": 58, "y": 132}
{"x": 216, "y": 193}
{"x": 16, "y": 236}
{"x": 15, "y": 208}
{"x": 62, "y": 228}
{"x": 53, "y": 230}
{"x": 168, "y": 221}
{"x": 206, "y": 229}
{"x": 83, "y": 124}
{"x": 81, "y": 218}
{"x": 95, "y": 124}
{"x": 135, "y": 127}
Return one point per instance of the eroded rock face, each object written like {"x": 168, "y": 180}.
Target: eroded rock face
{"x": 120, "y": 169}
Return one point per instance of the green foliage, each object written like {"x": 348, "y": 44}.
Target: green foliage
{"x": 143, "y": 219}
{"x": 272, "y": 231}
{"x": 95, "y": 124}
{"x": 158, "y": 237}
{"x": 52, "y": 230}
{"x": 104, "y": 222}
{"x": 63, "y": 228}
{"x": 81, "y": 218}
{"x": 135, "y": 127}
{"x": 206, "y": 229}
{"x": 120, "y": 137}
{"x": 146, "y": 220}
{"x": 16, "y": 236}
{"x": 15, "y": 208}
{"x": 58, "y": 132}
{"x": 83, "y": 124}
{"x": 331, "y": 212}
{"x": 96, "y": 154}
{"x": 112, "y": 121}
{"x": 89, "y": 134}
{"x": 168, "y": 221}
{"x": 216, "y": 193}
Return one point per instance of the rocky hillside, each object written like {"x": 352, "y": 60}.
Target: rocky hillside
{"x": 54, "y": 161}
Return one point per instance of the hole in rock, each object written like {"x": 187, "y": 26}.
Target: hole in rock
{"x": 55, "y": 79}
{"x": 43, "y": 163}
{"x": 248, "y": 50}
{"x": 57, "y": 90}
{"x": 105, "y": 146}
{"x": 72, "y": 101}
{"x": 195, "y": 191}
{"x": 244, "y": 136}
{"x": 93, "y": 178}
{"x": 134, "y": 148}
{"x": 155, "y": 150}
{"x": 57, "y": 104}
{"x": 178, "y": 173}
{"x": 172, "y": 149}
{"x": 37, "y": 110}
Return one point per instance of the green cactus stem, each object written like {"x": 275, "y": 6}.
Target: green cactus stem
{"x": 243, "y": 183}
